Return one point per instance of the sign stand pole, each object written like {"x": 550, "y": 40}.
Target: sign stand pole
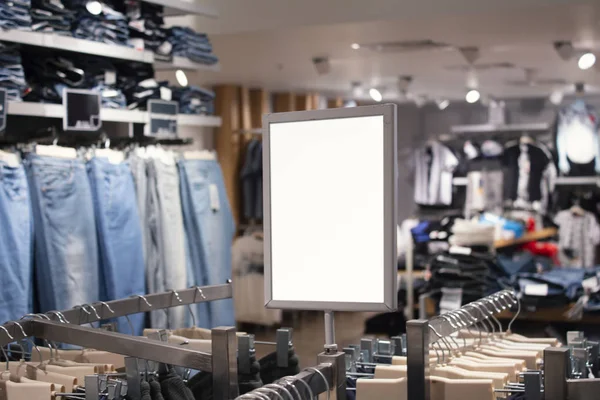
{"x": 329, "y": 328}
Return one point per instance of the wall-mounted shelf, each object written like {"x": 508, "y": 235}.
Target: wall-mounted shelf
{"x": 43, "y": 110}
{"x": 82, "y": 46}
{"x": 66, "y": 43}
{"x": 185, "y": 63}
{"x": 492, "y": 128}
{"x": 185, "y": 7}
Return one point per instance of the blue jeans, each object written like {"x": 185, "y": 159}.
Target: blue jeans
{"x": 66, "y": 249}
{"x": 210, "y": 228}
{"x": 119, "y": 235}
{"x": 16, "y": 244}
{"x": 560, "y": 281}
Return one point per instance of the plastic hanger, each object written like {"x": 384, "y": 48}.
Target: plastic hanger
{"x": 392, "y": 389}
{"x": 56, "y": 151}
{"x": 199, "y": 155}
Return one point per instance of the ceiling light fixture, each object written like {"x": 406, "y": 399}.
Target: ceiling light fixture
{"x": 473, "y": 96}
{"x": 443, "y": 104}
{"x": 586, "y": 61}
{"x": 355, "y": 46}
{"x": 375, "y": 95}
{"x": 94, "y": 7}
{"x": 181, "y": 78}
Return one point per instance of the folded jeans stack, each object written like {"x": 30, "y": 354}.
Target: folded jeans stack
{"x": 12, "y": 76}
{"x": 51, "y": 16}
{"x": 146, "y": 24}
{"x": 555, "y": 288}
{"x": 192, "y": 45}
{"x": 15, "y": 14}
{"x": 110, "y": 26}
{"x": 194, "y": 100}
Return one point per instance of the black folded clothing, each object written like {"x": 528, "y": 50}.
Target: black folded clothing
{"x": 51, "y": 16}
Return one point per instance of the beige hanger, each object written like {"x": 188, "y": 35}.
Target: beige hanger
{"x": 460, "y": 389}
{"x": 91, "y": 356}
{"x": 388, "y": 389}
{"x": 22, "y": 369}
{"x": 10, "y": 390}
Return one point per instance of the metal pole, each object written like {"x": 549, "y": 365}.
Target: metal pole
{"x": 410, "y": 261}
{"x": 224, "y": 363}
{"x": 417, "y": 332}
{"x": 556, "y": 368}
{"x": 329, "y": 328}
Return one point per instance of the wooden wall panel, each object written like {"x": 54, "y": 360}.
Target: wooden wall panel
{"x": 337, "y": 102}
{"x": 283, "y": 102}
{"x": 259, "y": 105}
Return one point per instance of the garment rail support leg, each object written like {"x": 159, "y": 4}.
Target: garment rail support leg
{"x": 224, "y": 363}
{"x": 338, "y": 373}
{"x": 417, "y": 349}
{"x": 556, "y": 368}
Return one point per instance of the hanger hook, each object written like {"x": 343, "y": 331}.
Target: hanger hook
{"x": 447, "y": 318}
{"x": 139, "y": 296}
{"x": 491, "y": 312}
{"x": 29, "y": 340}
{"x": 189, "y": 307}
{"x": 198, "y": 290}
{"x": 2, "y": 347}
{"x": 486, "y": 315}
{"x": 518, "y": 300}
{"x": 322, "y": 376}
{"x": 95, "y": 312}
{"x": 61, "y": 318}
{"x": 48, "y": 342}
{"x": 440, "y": 347}
{"x": 269, "y": 390}
{"x": 82, "y": 307}
{"x": 278, "y": 386}
{"x": 294, "y": 388}
{"x": 306, "y": 385}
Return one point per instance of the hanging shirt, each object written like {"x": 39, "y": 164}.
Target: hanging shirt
{"x": 435, "y": 164}
{"x": 577, "y": 141}
{"x": 578, "y": 237}
{"x": 529, "y": 174}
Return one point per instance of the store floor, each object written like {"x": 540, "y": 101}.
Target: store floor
{"x": 308, "y": 334}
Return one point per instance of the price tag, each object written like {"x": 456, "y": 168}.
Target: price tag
{"x": 3, "y": 110}
{"x": 110, "y": 77}
{"x": 166, "y": 93}
{"x": 163, "y": 118}
{"x": 451, "y": 299}
{"x": 213, "y": 190}
{"x": 535, "y": 289}
{"x": 82, "y": 110}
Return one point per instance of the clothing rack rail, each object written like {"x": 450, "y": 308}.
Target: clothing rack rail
{"x": 222, "y": 361}
{"x": 331, "y": 377}
{"x": 421, "y": 333}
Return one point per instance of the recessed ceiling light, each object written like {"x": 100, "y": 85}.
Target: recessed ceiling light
{"x": 586, "y": 61}
{"x": 181, "y": 77}
{"x": 472, "y": 96}
{"x": 94, "y": 7}
{"x": 375, "y": 95}
{"x": 443, "y": 104}
{"x": 355, "y": 46}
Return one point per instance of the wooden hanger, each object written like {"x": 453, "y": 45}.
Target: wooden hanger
{"x": 460, "y": 389}
{"x": 56, "y": 151}
{"x": 388, "y": 389}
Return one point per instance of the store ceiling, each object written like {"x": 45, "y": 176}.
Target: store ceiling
{"x": 270, "y": 44}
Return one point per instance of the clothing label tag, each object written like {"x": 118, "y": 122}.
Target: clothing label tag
{"x": 11, "y": 159}
{"x": 460, "y": 250}
{"x": 591, "y": 284}
{"x": 534, "y": 289}
{"x": 214, "y": 197}
{"x": 451, "y": 299}
{"x": 165, "y": 93}
{"x": 110, "y": 77}
{"x": 165, "y": 48}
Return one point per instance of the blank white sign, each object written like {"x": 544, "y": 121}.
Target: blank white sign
{"x": 327, "y": 210}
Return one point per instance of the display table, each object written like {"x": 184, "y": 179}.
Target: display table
{"x": 528, "y": 237}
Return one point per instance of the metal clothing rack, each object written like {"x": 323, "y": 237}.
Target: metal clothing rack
{"x": 419, "y": 337}
{"x": 65, "y": 329}
{"x": 331, "y": 377}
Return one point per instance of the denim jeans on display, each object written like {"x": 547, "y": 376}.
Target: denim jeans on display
{"x": 210, "y": 229}
{"x": 12, "y": 76}
{"x": 119, "y": 235}
{"x": 16, "y": 244}
{"x": 51, "y": 17}
{"x": 195, "y": 46}
{"x": 66, "y": 246}
{"x": 194, "y": 100}
{"x": 166, "y": 259}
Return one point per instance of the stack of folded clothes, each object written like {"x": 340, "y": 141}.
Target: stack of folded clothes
{"x": 189, "y": 44}
{"x": 194, "y": 100}
{"x": 146, "y": 24}
{"x": 136, "y": 81}
{"x": 555, "y": 288}
{"x": 15, "y": 14}
{"x": 468, "y": 270}
{"x": 51, "y": 16}
{"x": 109, "y": 26}
{"x": 12, "y": 76}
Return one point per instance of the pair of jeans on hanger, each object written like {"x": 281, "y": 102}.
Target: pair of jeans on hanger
{"x": 16, "y": 243}
{"x": 67, "y": 268}
{"x": 209, "y": 229}
{"x": 165, "y": 247}
{"x": 119, "y": 235}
